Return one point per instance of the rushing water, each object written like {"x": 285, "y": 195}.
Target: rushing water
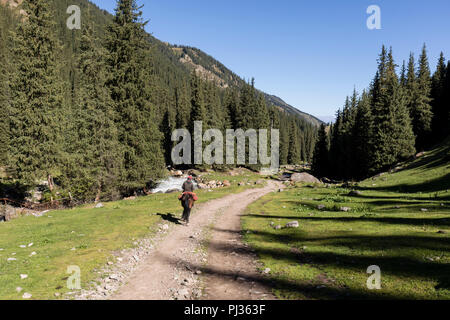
{"x": 171, "y": 183}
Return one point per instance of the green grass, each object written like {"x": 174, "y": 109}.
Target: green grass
{"x": 328, "y": 256}
{"x": 94, "y": 233}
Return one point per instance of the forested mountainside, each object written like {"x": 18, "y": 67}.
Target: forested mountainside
{"x": 213, "y": 70}
{"x": 92, "y": 111}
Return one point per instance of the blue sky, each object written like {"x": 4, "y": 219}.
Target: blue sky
{"x": 310, "y": 53}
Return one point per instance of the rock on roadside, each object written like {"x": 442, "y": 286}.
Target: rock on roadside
{"x": 304, "y": 177}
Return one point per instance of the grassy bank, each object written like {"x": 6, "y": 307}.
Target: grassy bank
{"x": 84, "y": 237}
{"x": 399, "y": 221}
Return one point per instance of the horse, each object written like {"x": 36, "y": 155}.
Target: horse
{"x": 187, "y": 201}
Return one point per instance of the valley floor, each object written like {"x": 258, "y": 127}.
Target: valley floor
{"x": 238, "y": 246}
{"x": 398, "y": 221}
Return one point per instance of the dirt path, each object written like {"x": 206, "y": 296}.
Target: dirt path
{"x": 206, "y": 260}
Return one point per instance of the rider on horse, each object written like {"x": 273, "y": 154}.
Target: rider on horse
{"x": 187, "y": 199}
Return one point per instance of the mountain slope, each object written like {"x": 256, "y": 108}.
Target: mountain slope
{"x": 181, "y": 59}
{"x": 213, "y": 70}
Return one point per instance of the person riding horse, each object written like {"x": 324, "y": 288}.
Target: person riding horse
{"x": 187, "y": 199}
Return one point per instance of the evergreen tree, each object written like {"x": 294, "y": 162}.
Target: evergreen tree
{"x": 198, "y": 113}
{"x": 321, "y": 161}
{"x": 168, "y": 125}
{"x": 440, "y": 122}
{"x": 421, "y": 109}
{"x": 138, "y": 131}
{"x": 231, "y": 106}
{"x": 284, "y": 141}
{"x": 393, "y": 136}
{"x": 36, "y": 97}
{"x": 446, "y": 103}
{"x": 198, "y": 108}
{"x": 183, "y": 106}
{"x": 294, "y": 154}
{"x": 336, "y": 148}
{"x": 4, "y": 102}
{"x": 363, "y": 137}
{"x": 247, "y": 107}
{"x": 410, "y": 84}
{"x": 96, "y": 154}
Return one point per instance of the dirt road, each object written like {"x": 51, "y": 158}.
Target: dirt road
{"x": 206, "y": 260}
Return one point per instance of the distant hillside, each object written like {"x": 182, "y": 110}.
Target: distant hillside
{"x": 213, "y": 70}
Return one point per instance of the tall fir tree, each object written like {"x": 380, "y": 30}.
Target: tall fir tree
{"x": 421, "y": 112}
{"x": 362, "y": 137}
{"x": 321, "y": 160}
{"x": 198, "y": 114}
{"x": 183, "y": 106}
{"x": 393, "y": 135}
{"x": 446, "y": 102}
{"x": 95, "y": 165}
{"x": 284, "y": 141}
{"x": 4, "y": 101}
{"x": 37, "y": 114}
{"x": 294, "y": 153}
{"x": 440, "y": 121}
{"x": 198, "y": 105}
{"x": 138, "y": 131}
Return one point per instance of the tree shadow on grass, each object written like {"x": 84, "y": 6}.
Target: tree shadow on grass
{"x": 398, "y": 266}
{"x": 400, "y": 221}
{"x": 309, "y": 288}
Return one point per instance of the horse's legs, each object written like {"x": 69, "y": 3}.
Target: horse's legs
{"x": 184, "y": 218}
{"x": 188, "y": 214}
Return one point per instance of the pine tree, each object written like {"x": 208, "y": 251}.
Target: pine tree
{"x": 363, "y": 137}
{"x": 198, "y": 108}
{"x": 348, "y": 147}
{"x": 321, "y": 161}
{"x": 421, "y": 107}
{"x": 198, "y": 114}
{"x": 393, "y": 136}
{"x": 446, "y": 102}
{"x": 284, "y": 141}
{"x": 294, "y": 154}
{"x": 168, "y": 125}
{"x": 130, "y": 92}
{"x": 410, "y": 84}
{"x": 4, "y": 102}
{"x": 96, "y": 164}
{"x": 36, "y": 108}
{"x": 247, "y": 108}
{"x": 183, "y": 106}
{"x": 403, "y": 77}
{"x": 440, "y": 122}
{"x": 231, "y": 104}
{"x": 337, "y": 149}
